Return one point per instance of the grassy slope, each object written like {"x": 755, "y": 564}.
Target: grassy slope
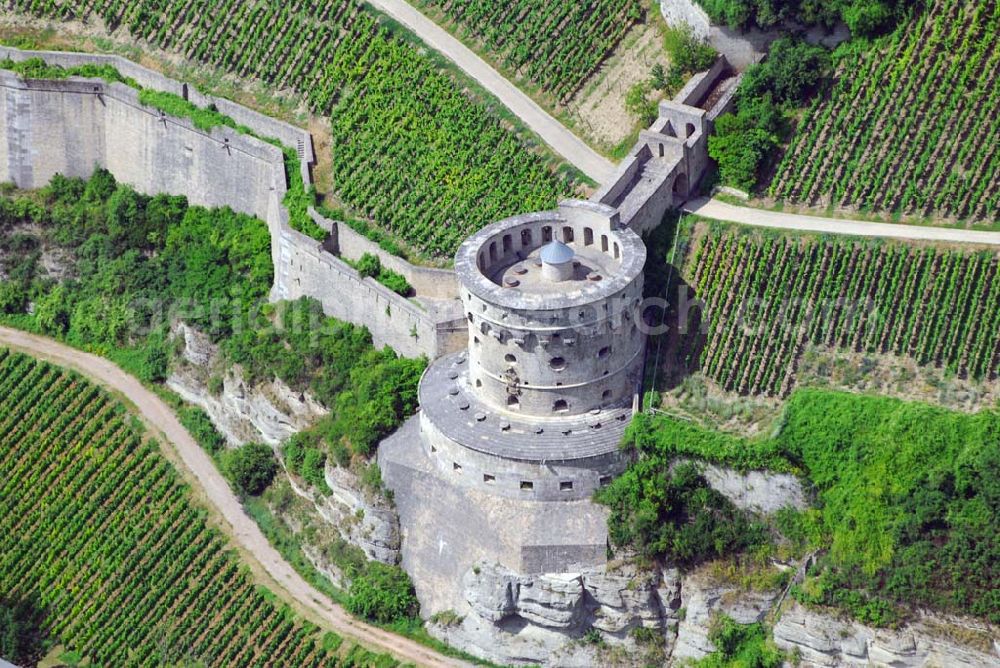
{"x": 908, "y": 495}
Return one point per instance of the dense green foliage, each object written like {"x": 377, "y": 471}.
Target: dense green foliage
{"x": 666, "y": 437}
{"x": 370, "y": 265}
{"x": 411, "y": 151}
{"x": 36, "y": 68}
{"x": 863, "y": 17}
{"x": 305, "y": 456}
{"x": 382, "y": 593}
{"x": 687, "y": 54}
{"x": 250, "y": 467}
{"x": 557, "y": 44}
{"x": 909, "y": 499}
{"x": 369, "y": 392}
{"x": 743, "y": 141}
{"x": 274, "y": 504}
{"x": 910, "y": 494}
{"x": 200, "y": 426}
{"x": 740, "y": 646}
{"x": 903, "y": 126}
{"x": 96, "y": 526}
{"x": 769, "y": 296}
{"x": 132, "y": 261}
{"x": 21, "y": 636}
{"x": 671, "y": 512}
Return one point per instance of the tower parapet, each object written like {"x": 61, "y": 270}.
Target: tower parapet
{"x": 550, "y": 300}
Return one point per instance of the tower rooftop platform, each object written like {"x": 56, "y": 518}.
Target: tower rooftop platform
{"x": 448, "y": 401}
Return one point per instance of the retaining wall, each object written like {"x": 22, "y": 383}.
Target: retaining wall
{"x": 427, "y": 282}
{"x": 262, "y": 125}
{"x": 306, "y": 269}
{"x": 70, "y": 126}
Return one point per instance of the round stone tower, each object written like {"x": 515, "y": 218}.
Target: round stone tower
{"x": 535, "y": 408}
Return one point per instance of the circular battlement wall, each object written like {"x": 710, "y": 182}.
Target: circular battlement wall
{"x": 550, "y": 348}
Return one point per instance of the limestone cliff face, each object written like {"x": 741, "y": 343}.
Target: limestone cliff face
{"x": 702, "y": 598}
{"x": 271, "y": 412}
{"x": 824, "y": 640}
{"x": 268, "y": 412}
{"x": 544, "y": 619}
{"x": 759, "y": 492}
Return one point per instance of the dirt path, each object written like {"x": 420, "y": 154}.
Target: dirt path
{"x": 713, "y": 208}
{"x": 157, "y": 414}
{"x": 552, "y": 132}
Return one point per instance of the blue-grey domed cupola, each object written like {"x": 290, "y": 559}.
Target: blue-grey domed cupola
{"x": 557, "y": 261}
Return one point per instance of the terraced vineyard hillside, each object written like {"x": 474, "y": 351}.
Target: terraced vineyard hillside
{"x": 909, "y": 126}
{"x": 556, "y": 44}
{"x": 97, "y": 530}
{"x": 768, "y": 296}
{"x": 410, "y": 148}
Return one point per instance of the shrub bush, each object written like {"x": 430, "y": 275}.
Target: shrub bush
{"x": 251, "y": 468}
{"x": 382, "y": 594}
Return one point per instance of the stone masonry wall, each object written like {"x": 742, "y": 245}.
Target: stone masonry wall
{"x": 264, "y": 126}
{"x": 306, "y": 269}
{"x": 70, "y": 126}
{"x": 426, "y": 281}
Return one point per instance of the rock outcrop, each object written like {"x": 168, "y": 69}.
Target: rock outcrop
{"x": 702, "y": 598}
{"x": 547, "y": 619}
{"x": 271, "y": 412}
{"x": 759, "y": 492}
{"x": 821, "y": 639}
{"x": 514, "y": 618}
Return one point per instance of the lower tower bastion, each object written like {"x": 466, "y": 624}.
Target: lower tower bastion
{"x": 517, "y": 432}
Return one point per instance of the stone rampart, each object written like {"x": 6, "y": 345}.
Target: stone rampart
{"x": 70, "y": 126}
{"x": 307, "y": 269}
{"x": 262, "y": 125}
{"x": 427, "y": 282}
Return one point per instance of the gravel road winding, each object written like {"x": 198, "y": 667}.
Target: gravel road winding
{"x": 718, "y": 210}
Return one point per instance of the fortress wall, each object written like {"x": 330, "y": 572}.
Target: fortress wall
{"x": 144, "y": 76}
{"x": 627, "y": 171}
{"x": 64, "y": 126}
{"x": 700, "y": 84}
{"x": 262, "y": 125}
{"x": 307, "y": 270}
{"x": 70, "y": 126}
{"x": 35, "y": 136}
{"x": 426, "y": 281}
{"x": 155, "y": 153}
{"x": 265, "y": 126}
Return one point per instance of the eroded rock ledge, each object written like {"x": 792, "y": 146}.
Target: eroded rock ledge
{"x": 271, "y": 412}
